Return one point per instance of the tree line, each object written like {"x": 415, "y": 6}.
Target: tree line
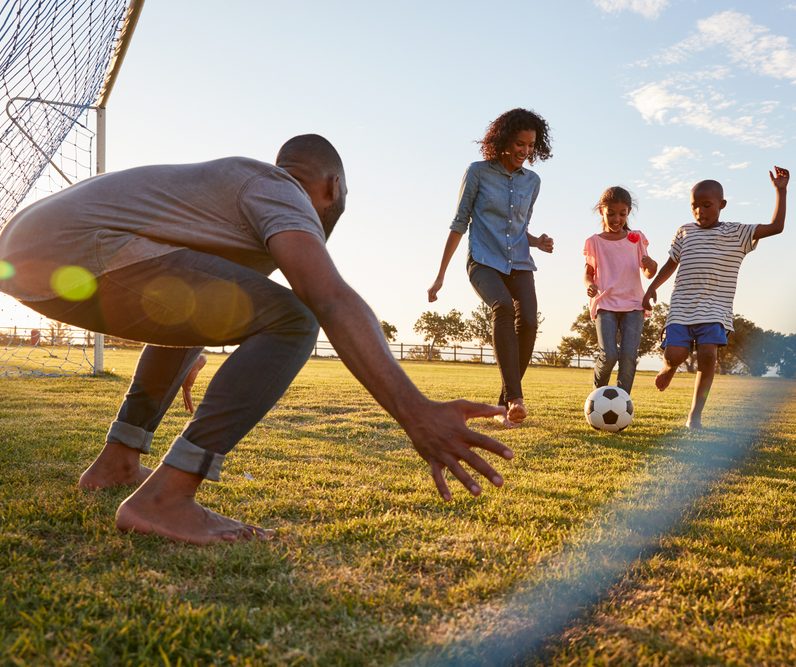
{"x": 751, "y": 350}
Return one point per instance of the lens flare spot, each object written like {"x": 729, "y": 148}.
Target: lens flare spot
{"x": 73, "y": 283}
{"x": 229, "y": 309}
{"x": 6, "y": 270}
{"x": 168, "y": 301}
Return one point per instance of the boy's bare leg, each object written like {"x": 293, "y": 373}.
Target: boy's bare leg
{"x": 672, "y": 358}
{"x": 165, "y": 505}
{"x": 116, "y": 465}
{"x": 706, "y": 360}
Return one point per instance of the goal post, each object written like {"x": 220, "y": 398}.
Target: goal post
{"x": 59, "y": 61}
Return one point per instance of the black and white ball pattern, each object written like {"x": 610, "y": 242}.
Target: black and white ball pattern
{"x": 609, "y": 409}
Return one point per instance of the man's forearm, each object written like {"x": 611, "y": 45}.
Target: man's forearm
{"x": 357, "y": 337}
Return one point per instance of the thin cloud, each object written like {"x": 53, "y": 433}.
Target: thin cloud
{"x": 701, "y": 107}
{"x": 738, "y": 165}
{"x": 650, "y": 9}
{"x": 670, "y": 155}
{"x": 747, "y": 44}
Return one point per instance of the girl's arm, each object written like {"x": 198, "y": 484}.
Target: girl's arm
{"x": 649, "y": 266}
{"x": 588, "y": 280}
{"x": 450, "y": 247}
{"x": 663, "y": 275}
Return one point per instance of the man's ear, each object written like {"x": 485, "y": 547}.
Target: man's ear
{"x": 333, "y": 187}
{"x": 723, "y": 203}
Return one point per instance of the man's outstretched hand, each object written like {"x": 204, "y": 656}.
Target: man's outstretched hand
{"x": 440, "y": 435}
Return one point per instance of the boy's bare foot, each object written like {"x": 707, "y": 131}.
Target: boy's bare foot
{"x": 517, "y": 412}
{"x": 694, "y": 424}
{"x": 116, "y": 465}
{"x": 505, "y": 421}
{"x": 664, "y": 378}
{"x": 165, "y": 505}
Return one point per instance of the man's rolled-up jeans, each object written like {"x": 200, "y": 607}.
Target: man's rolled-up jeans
{"x": 180, "y": 303}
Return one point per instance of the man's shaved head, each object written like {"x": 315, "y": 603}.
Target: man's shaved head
{"x": 709, "y": 187}
{"x": 311, "y": 152}
{"x": 316, "y": 164}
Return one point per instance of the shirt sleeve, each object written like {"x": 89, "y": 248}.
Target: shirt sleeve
{"x": 677, "y": 245}
{"x": 747, "y": 238}
{"x": 588, "y": 251}
{"x": 275, "y": 203}
{"x": 643, "y": 244}
{"x": 467, "y": 194}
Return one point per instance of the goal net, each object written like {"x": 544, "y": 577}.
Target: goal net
{"x": 58, "y": 63}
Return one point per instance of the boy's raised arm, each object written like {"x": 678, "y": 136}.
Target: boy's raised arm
{"x": 779, "y": 179}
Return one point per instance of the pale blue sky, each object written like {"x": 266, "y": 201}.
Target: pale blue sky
{"x": 653, "y": 95}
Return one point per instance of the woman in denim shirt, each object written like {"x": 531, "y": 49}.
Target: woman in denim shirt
{"x": 495, "y": 203}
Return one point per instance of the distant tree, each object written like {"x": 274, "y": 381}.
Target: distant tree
{"x": 585, "y": 334}
{"x": 652, "y": 332}
{"x": 750, "y": 349}
{"x": 389, "y": 331}
{"x": 440, "y": 329}
{"x": 479, "y": 326}
{"x": 786, "y": 365}
{"x": 571, "y": 347}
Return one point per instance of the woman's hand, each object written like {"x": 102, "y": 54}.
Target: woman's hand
{"x": 544, "y": 243}
{"x": 435, "y": 287}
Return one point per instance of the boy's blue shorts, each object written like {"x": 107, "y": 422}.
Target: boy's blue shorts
{"x": 683, "y": 335}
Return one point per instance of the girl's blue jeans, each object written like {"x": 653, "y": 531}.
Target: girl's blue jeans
{"x": 179, "y": 304}
{"x": 618, "y": 336}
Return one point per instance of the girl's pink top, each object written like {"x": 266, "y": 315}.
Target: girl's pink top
{"x": 617, "y": 272}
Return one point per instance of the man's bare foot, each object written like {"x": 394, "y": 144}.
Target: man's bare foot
{"x": 165, "y": 505}
{"x": 505, "y": 421}
{"x": 517, "y": 412}
{"x": 116, "y": 465}
{"x": 186, "y": 521}
{"x": 664, "y": 378}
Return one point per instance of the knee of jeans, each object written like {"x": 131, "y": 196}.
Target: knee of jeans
{"x": 301, "y": 322}
{"x": 609, "y": 357}
{"x": 502, "y": 308}
{"x": 528, "y": 323}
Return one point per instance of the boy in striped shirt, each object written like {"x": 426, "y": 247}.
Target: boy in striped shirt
{"x": 709, "y": 254}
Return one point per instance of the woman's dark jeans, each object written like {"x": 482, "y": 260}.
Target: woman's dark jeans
{"x": 180, "y": 303}
{"x": 512, "y": 299}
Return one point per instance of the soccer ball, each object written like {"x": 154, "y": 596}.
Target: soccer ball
{"x": 608, "y": 409}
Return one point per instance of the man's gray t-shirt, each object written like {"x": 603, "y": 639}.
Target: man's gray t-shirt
{"x": 228, "y": 207}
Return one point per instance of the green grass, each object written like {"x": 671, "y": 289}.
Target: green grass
{"x": 370, "y": 567}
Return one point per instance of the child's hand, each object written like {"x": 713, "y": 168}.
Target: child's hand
{"x": 650, "y": 296}
{"x": 649, "y": 264}
{"x": 592, "y": 290}
{"x": 779, "y": 178}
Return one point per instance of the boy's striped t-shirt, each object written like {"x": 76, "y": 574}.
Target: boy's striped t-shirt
{"x": 707, "y": 275}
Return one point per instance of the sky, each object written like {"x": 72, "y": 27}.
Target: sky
{"x": 653, "y": 95}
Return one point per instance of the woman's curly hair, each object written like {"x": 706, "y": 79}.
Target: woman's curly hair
{"x": 505, "y": 127}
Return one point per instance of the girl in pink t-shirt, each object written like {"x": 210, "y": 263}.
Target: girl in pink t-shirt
{"x": 613, "y": 283}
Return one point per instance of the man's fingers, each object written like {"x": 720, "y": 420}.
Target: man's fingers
{"x": 471, "y": 410}
{"x": 438, "y": 475}
{"x": 477, "y": 463}
{"x": 482, "y": 441}
{"x": 463, "y": 476}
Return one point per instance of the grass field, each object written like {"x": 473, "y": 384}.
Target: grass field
{"x": 370, "y": 567}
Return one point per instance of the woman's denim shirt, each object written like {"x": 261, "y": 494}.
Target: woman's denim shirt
{"x": 496, "y": 205}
